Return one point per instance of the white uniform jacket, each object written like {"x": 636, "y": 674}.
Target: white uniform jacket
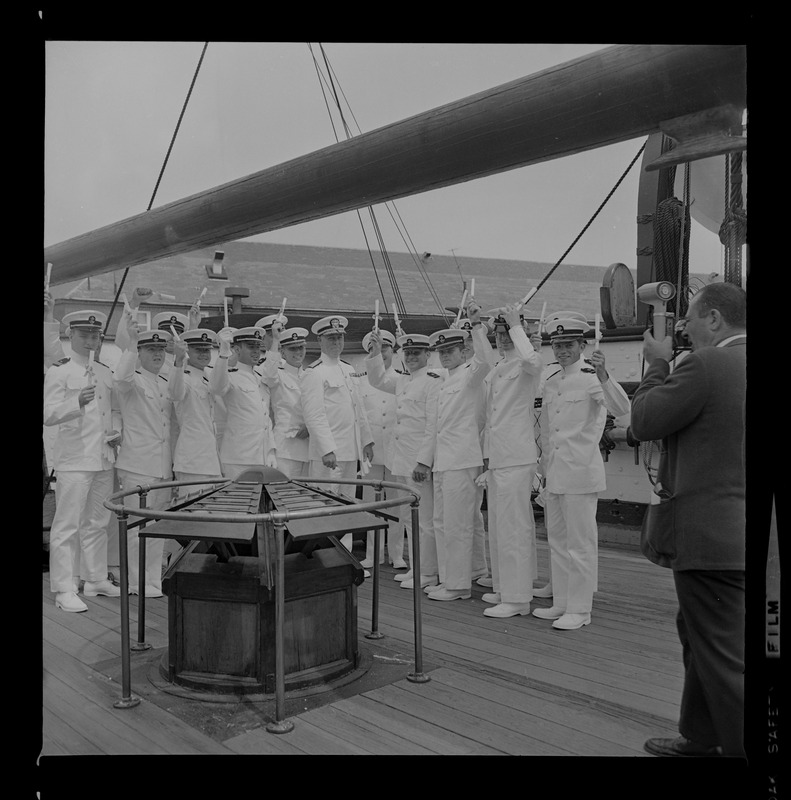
{"x": 458, "y": 423}
{"x": 573, "y": 414}
{"x": 196, "y": 446}
{"x": 53, "y": 349}
{"x": 509, "y": 392}
{"x": 80, "y": 445}
{"x": 334, "y": 411}
{"x": 380, "y": 408}
{"x": 286, "y": 399}
{"x": 415, "y": 413}
{"x": 146, "y": 410}
{"x": 248, "y": 435}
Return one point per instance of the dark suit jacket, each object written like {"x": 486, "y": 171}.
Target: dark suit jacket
{"x": 698, "y": 413}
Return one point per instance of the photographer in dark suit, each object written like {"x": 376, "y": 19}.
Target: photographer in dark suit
{"x": 695, "y": 524}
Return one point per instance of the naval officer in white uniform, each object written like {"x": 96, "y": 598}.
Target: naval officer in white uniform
{"x": 79, "y": 399}
{"x": 412, "y": 442}
{"x": 145, "y": 456}
{"x": 509, "y": 397}
{"x": 458, "y": 459}
{"x": 334, "y": 412}
{"x": 380, "y": 410}
{"x": 195, "y": 456}
{"x": 576, "y": 399}
{"x": 247, "y": 441}
{"x": 291, "y": 433}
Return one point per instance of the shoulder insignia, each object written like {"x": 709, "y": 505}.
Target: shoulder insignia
{"x": 138, "y": 372}
{"x": 591, "y": 371}
{"x": 187, "y": 372}
{"x": 553, "y": 374}
{"x": 314, "y": 364}
{"x": 102, "y": 364}
{"x": 357, "y": 374}
{"x": 432, "y": 374}
{"x": 61, "y": 362}
{"x": 163, "y": 377}
{"x": 234, "y": 369}
{"x": 344, "y": 362}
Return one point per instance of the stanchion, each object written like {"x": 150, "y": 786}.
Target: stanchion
{"x": 127, "y": 699}
{"x": 418, "y": 675}
{"x": 375, "y": 632}
{"x": 280, "y": 724}
{"x": 141, "y": 643}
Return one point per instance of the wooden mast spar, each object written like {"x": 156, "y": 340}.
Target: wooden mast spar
{"x": 613, "y": 95}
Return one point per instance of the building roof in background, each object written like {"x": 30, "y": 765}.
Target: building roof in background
{"x": 337, "y": 279}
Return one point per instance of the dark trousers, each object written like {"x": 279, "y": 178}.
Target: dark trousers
{"x": 710, "y": 625}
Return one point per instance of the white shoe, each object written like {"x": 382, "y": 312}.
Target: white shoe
{"x": 367, "y": 563}
{"x": 481, "y": 573}
{"x": 400, "y": 564}
{"x": 403, "y": 576}
{"x": 570, "y": 622}
{"x": 492, "y": 597}
{"x": 366, "y": 573}
{"x": 435, "y": 587}
{"x": 150, "y": 590}
{"x": 543, "y": 591}
{"x": 450, "y": 594}
{"x": 68, "y": 601}
{"x": 426, "y": 582}
{"x": 106, "y": 588}
{"x": 549, "y": 613}
{"x": 487, "y": 582}
{"x": 507, "y": 610}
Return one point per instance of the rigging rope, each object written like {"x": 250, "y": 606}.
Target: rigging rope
{"x": 159, "y": 178}
{"x": 330, "y": 81}
{"x": 590, "y": 221}
{"x": 733, "y": 231}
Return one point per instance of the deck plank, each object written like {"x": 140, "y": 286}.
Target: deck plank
{"x": 76, "y": 692}
{"x": 497, "y": 687}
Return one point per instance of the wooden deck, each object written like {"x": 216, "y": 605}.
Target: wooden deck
{"x": 497, "y": 687}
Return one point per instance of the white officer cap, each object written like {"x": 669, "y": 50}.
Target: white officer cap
{"x": 463, "y": 324}
{"x": 199, "y": 336}
{"x": 448, "y": 337}
{"x": 92, "y": 320}
{"x": 333, "y": 324}
{"x": 293, "y": 336}
{"x": 387, "y": 338}
{"x": 266, "y": 322}
{"x": 154, "y": 337}
{"x": 414, "y": 340}
{"x": 566, "y": 329}
{"x": 251, "y": 334}
{"x": 165, "y": 319}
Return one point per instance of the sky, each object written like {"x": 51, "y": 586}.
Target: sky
{"x": 111, "y": 109}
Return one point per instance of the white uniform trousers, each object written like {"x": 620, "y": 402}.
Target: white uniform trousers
{"x": 454, "y": 509}
{"x": 479, "y": 566}
{"x": 428, "y": 543}
{"x": 112, "y": 534}
{"x": 182, "y": 492}
{"x": 395, "y": 530}
{"x": 171, "y": 547}
{"x": 156, "y": 498}
{"x": 512, "y": 532}
{"x": 573, "y": 538}
{"x": 79, "y": 528}
{"x": 346, "y": 470}
{"x": 293, "y": 469}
